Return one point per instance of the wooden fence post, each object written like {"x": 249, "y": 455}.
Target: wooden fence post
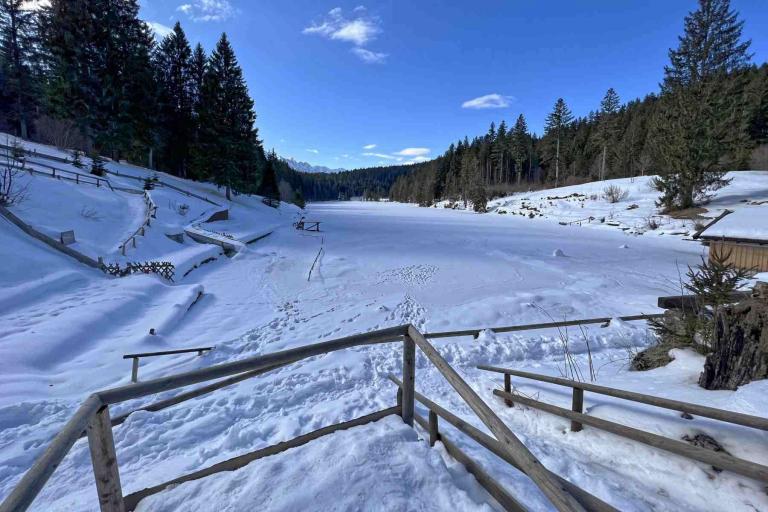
{"x": 434, "y": 433}
{"x": 135, "y": 370}
{"x": 508, "y": 389}
{"x": 577, "y": 406}
{"x": 409, "y": 379}
{"x": 104, "y": 460}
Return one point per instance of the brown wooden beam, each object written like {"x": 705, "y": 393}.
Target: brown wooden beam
{"x": 132, "y": 500}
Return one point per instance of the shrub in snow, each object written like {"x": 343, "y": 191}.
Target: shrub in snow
{"x": 614, "y": 193}
{"x": 11, "y": 192}
{"x": 652, "y": 223}
{"x": 148, "y": 184}
{"x": 97, "y": 165}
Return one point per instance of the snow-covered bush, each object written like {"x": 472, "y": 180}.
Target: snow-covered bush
{"x": 614, "y": 193}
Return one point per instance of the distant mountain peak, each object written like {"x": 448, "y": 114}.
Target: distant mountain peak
{"x": 307, "y": 167}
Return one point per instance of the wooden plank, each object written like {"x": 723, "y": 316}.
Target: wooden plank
{"x": 168, "y": 352}
{"x": 409, "y": 379}
{"x": 104, "y": 462}
{"x": 666, "y": 403}
{"x": 577, "y": 405}
{"x": 22, "y": 496}
{"x": 242, "y": 460}
{"x": 204, "y": 390}
{"x": 122, "y": 393}
{"x": 716, "y": 459}
{"x": 135, "y": 370}
{"x": 590, "y": 502}
{"x": 508, "y": 389}
{"x": 531, "y": 327}
{"x": 506, "y": 500}
{"x": 434, "y": 430}
{"x": 555, "y": 492}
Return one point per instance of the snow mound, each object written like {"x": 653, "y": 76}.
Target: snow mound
{"x": 558, "y": 253}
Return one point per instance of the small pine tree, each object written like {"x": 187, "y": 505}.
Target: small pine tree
{"x": 97, "y": 165}
{"x": 77, "y": 160}
{"x": 298, "y": 199}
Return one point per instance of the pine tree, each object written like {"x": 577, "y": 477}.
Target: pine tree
{"x": 556, "y": 122}
{"x": 175, "y": 82}
{"x": 230, "y": 150}
{"x": 19, "y": 73}
{"x": 701, "y": 127}
{"x": 520, "y": 143}
{"x": 268, "y": 187}
{"x": 607, "y": 124}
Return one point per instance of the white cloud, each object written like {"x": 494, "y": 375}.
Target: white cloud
{"x": 208, "y": 10}
{"x": 382, "y": 155}
{"x": 159, "y": 29}
{"x": 359, "y": 28}
{"x": 413, "y": 152}
{"x": 369, "y": 146}
{"x": 370, "y": 57}
{"x": 315, "y": 151}
{"x": 488, "y": 101}
{"x": 418, "y": 159}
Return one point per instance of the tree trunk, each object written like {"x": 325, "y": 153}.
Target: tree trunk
{"x": 602, "y": 165}
{"x": 741, "y": 354}
{"x": 557, "y": 162}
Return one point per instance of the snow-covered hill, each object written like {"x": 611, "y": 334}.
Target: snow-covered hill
{"x": 64, "y": 328}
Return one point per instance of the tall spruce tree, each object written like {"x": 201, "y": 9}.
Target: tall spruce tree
{"x": 556, "y": 122}
{"x": 268, "y": 186}
{"x": 607, "y": 124}
{"x": 519, "y": 145}
{"x": 19, "y": 65}
{"x": 701, "y": 126}
{"x": 175, "y": 82}
{"x": 231, "y": 152}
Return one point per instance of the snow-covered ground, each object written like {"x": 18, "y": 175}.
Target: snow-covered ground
{"x": 64, "y": 329}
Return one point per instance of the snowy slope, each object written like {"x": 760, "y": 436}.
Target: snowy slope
{"x": 585, "y": 205}
{"x": 382, "y": 264}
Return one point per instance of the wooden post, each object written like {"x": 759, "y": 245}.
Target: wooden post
{"x": 409, "y": 379}
{"x": 135, "y": 370}
{"x": 508, "y": 389}
{"x": 434, "y": 433}
{"x": 77, "y": 179}
{"x": 577, "y": 406}
{"x": 104, "y": 460}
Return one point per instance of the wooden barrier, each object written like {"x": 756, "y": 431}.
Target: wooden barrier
{"x": 666, "y": 403}
{"x": 716, "y": 459}
{"x": 588, "y": 501}
{"x": 132, "y": 500}
{"x": 136, "y": 357}
{"x": 552, "y": 489}
{"x": 546, "y": 325}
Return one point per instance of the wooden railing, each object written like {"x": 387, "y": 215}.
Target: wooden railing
{"x": 149, "y": 214}
{"x": 93, "y": 418}
{"x": 64, "y": 174}
{"x": 135, "y": 367}
{"x": 161, "y": 183}
{"x": 578, "y": 419}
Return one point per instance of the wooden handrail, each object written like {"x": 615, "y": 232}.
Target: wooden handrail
{"x": 30, "y": 485}
{"x": 590, "y": 502}
{"x": 716, "y": 459}
{"x": 557, "y": 494}
{"x": 168, "y": 352}
{"x": 666, "y": 403}
{"x": 546, "y": 325}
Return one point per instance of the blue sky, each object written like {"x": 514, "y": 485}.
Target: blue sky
{"x": 348, "y": 85}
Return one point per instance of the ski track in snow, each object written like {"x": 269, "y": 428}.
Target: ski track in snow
{"x": 457, "y": 271}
